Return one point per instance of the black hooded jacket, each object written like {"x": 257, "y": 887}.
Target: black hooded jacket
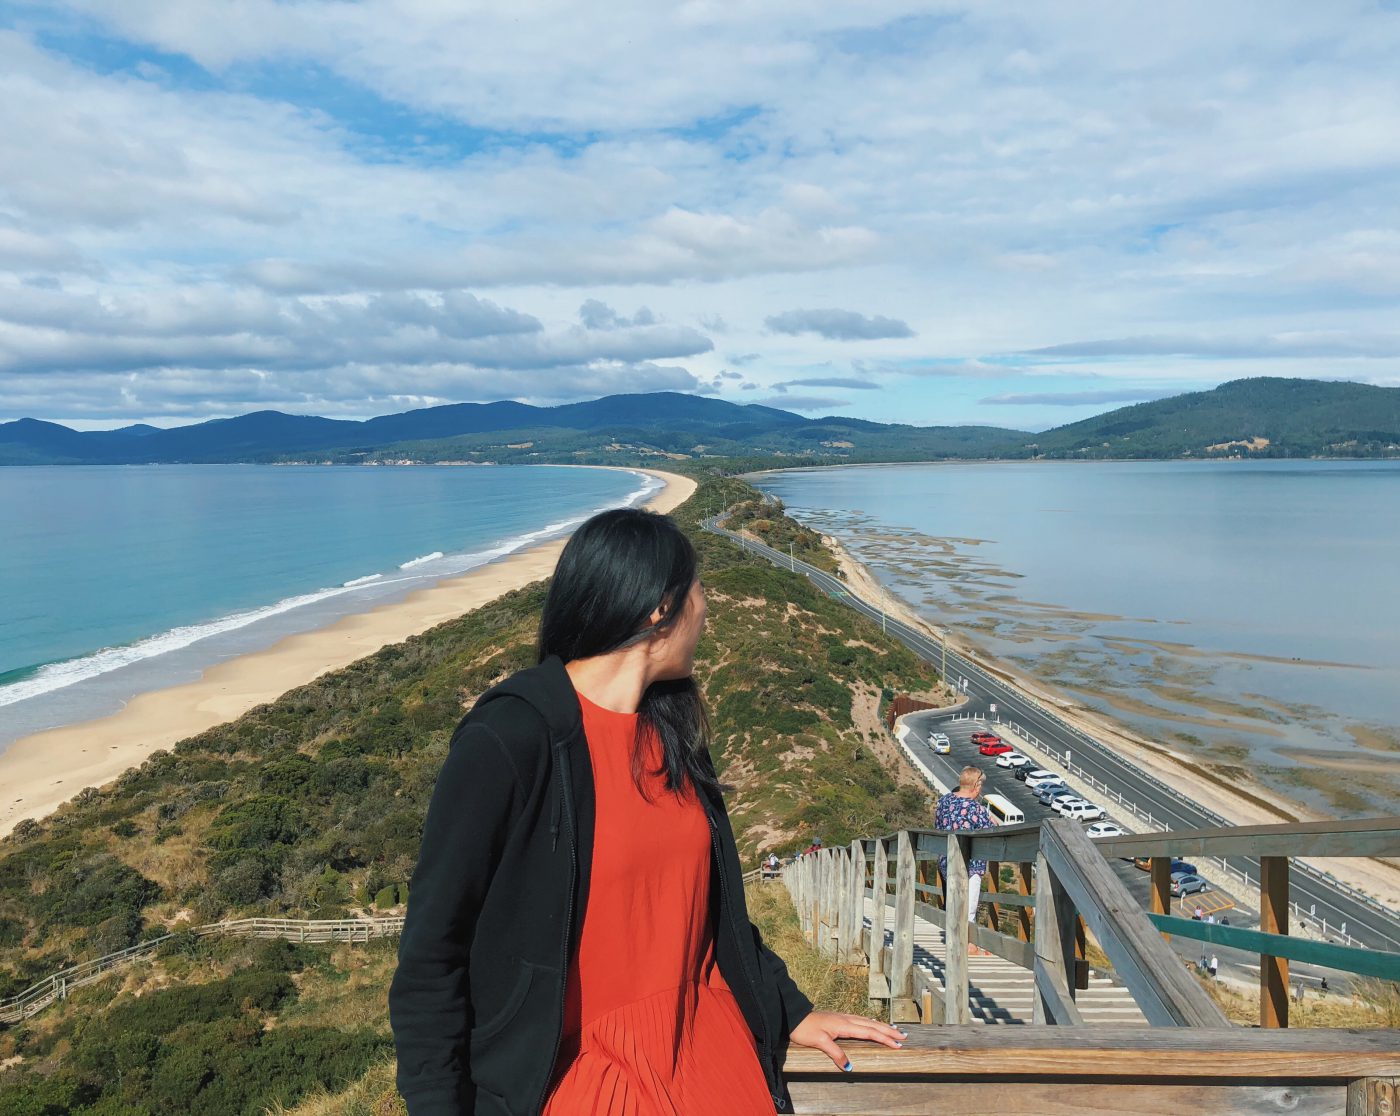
{"x": 496, "y": 910}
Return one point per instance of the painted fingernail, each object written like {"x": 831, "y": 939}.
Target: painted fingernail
{"x": 900, "y": 1045}
{"x": 847, "y": 1066}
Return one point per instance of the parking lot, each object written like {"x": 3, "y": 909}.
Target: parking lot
{"x": 1001, "y": 780}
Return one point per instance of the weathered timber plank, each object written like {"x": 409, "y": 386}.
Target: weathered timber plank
{"x": 1355, "y": 837}
{"x": 1164, "y": 991}
{"x": 957, "y": 1098}
{"x": 1121, "y": 1052}
{"x": 1052, "y": 997}
{"x": 1055, "y": 919}
{"x": 956, "y": 1008}
{"x": 902, "y": 963}
{"x": 1273, "y": 919}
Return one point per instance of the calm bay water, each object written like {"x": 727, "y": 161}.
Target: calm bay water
{"x": 118, "y": 579}
{"x": 1247, "y": 612}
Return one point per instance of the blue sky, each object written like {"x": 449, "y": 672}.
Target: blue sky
{"x": 1009, "y": 214}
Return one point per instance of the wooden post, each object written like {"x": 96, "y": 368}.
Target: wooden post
{"x": 1081, "y": 958}
{"x": 1054, "y": 949}
{"x": 1373, "y": 1096}
{"x": 902, "y": 960}
{"x": 1023, "y": 914}
{"x": 841, "y": 901}
{"x": 955, "y": 934}
{"x": 1160, "y": 888}
{"x": 877, "y": 915}
{"x": 857, "y": 900}
{"x": 1273, "y": 919}
{"x": 991, "y": 884}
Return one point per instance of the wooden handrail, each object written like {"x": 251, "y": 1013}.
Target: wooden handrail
{"x": 1359, "y": 837}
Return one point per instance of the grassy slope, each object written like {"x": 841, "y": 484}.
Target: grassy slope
{"x": 311, "y": 805}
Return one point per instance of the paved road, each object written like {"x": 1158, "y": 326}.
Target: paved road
{"x": 1349, "y": 916}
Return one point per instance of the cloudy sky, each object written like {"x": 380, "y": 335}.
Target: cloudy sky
{"x": 1008, "y": 213}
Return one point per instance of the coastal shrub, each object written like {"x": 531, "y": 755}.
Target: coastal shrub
{"x": 386, "y": 897}
{"x": 125, "y": 828}
{"x": 116, "y": 933}
{"x": 95, "y": 890}
{"x": 340, "y": 775}
{"x": 287, "y": 775}
{"x": 264, "y": 819}
{"x": 246, "y": 880}
{"x": 164, "y": 1011}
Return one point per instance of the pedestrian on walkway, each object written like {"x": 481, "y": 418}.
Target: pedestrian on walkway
{"x": 962, "y": 809}
{"x": 577, "y": 938}
{"x": 1214, "y": 966}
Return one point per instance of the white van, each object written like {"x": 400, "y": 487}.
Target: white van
{"x": 1002, "y": 811}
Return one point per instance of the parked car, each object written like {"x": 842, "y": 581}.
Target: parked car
{"x": 1106, "y": 829}
{"x": 1054, "y": 795}
{"x": 983, "y": 737}
{"x": 1000, "y": 748}
{"x": 940, "y": 743}
{"x": 1021, "y": 772}
{"x": 1178, "y": 866}
{"x": 1039, "y": 777}
{"x": 1079, "y": 810}
{"x": 1013, "y": 760}
{"x": 1188, "y": 882}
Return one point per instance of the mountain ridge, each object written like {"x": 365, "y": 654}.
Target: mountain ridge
{"x": 1256, "y": 417}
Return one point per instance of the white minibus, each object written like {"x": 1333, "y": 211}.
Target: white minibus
{"x": 1002, "y": 811}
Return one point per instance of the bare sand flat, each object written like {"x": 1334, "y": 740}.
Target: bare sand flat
{"x": 40, "y": 772}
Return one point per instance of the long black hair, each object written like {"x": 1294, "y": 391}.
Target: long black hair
{"x": 618, "y": 568}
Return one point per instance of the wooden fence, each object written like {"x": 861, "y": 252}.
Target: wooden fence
{"x": 1191, "y": 1053}
{"x": 56, "y": 987}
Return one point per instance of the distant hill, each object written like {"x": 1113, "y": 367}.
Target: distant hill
{"x": 612, "y": 428}
{"x": 1262, "y": 417}
{"x": 1266, "y": 417}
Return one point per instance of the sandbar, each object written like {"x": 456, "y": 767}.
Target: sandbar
{"x": 39, "y": 773}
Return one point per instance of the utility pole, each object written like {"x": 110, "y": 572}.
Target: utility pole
{"x": 791, "y": 560}
{"x": 944, "y": 671}
{"x": 883, "y": 630}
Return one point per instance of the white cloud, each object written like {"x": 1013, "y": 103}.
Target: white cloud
{"x": 1211, "y": 187}
{"x": 837, "y": 325}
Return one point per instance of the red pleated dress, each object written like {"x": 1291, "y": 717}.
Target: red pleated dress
{"x": 650, "y": 1026}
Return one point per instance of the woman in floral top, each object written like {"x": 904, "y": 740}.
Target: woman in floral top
{"x": 961, "y": 809}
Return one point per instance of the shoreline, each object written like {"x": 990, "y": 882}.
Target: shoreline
{"x": 1252, "y": 804}
{"x": 42, "y": 771}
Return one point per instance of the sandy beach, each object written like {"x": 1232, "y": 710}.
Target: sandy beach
{"x": 38, "y": 773}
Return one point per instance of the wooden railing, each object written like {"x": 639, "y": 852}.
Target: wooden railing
{"x": 1064, "y": 883}
{"x": 56, "y": 987}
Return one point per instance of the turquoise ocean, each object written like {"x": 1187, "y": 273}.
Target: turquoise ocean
{"x": 1244, "y": 613}
{"x": 115, "y": 580}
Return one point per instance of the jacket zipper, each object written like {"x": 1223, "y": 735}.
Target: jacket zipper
{"x": 567, "y": 797}
{"x": 778, "y": 1102}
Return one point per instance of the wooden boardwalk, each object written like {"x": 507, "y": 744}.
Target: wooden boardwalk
{"x": 1001, "y": 991}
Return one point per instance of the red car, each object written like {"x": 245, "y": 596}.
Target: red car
{"x": 985, "y": 738}
{"x": 1000, "y": 747}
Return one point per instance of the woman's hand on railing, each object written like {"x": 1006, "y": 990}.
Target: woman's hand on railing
{"x": 820, "y": 1030}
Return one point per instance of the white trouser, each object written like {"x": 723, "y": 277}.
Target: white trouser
{"x": 974, "y": 892}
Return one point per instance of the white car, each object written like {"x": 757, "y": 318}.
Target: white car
{"x": 1106, "y": 829}
{"x": 1040, "y": 776}
{"x": 1078, "y": 809}
{"x": 1012, "y": 759}
{"x": 940, "y": 743}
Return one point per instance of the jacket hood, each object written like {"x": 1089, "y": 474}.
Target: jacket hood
{"x": 548, "y": 689}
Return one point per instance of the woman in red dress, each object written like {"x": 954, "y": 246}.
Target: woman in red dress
{"x": 576, "y": 942}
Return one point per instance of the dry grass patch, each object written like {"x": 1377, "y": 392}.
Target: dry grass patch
{"x": 372, "y": 1095}
{"x": 830, "y": 987}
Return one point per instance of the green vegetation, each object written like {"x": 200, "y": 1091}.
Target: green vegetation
{"x": 312, "y": 806}
{"x": 1262, "y": 417}
{"x": 227, "y": 1039}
